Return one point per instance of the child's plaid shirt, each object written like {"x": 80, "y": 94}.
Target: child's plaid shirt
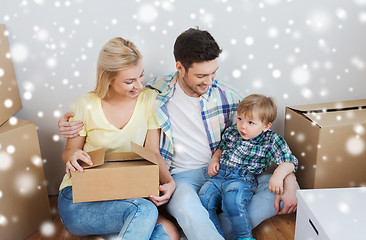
{"x": 254, "y": 154}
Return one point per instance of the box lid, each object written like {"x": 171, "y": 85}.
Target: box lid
{"x": 98, "y": 157}
{"x": 10, "y": 102}
{"x": 335, "y": 113}
{"x": 331, "y": 106}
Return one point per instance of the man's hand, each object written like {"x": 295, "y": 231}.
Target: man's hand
{"x": 288, "y": 197}
{"x": 167, "y": 189}
{"x": 69, "y": 129}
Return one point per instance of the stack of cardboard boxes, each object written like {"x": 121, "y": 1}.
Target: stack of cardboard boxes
{"x": 24, "y": 205}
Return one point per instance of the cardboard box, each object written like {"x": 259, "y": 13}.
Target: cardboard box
{"x": 329, "y": 140}
{"x": 10, "y": 100}
{"x": 331, "y": 214}
{"x": 117, "y": 176}
{"x": 24, "y": 204}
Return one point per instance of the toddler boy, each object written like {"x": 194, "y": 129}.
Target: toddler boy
{"x": 244, "y": 152}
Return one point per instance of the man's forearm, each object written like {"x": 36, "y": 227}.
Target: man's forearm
{"x": 284, "y": 169}
{"x": 290, "y": 182}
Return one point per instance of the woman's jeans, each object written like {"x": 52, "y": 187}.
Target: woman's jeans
{"x": 193, "y": 218}
{"x": 128, "y": 218}
{"x": 230, "y": 190}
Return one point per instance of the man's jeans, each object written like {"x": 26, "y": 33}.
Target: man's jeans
{"x": 193, "y": 218}
{"x": 128, "y": 218}
{"x": 230, "y": 190}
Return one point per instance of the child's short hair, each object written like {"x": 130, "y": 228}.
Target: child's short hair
{"x": 264, "y": 106}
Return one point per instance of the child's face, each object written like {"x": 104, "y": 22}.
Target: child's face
{"x": 251, "y": 127}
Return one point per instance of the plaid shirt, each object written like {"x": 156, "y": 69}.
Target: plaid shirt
{"x": 254, "y": 154}
{"x": 218, "y": 110}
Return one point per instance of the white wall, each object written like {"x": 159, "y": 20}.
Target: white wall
{"x": 298, "y": 51}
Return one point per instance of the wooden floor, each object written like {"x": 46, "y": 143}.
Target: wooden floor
{"x": 281, "y": 227}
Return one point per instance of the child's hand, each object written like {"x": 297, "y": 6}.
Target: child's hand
{"x": 276, "y": 184}
{"x": 213, "y": 168}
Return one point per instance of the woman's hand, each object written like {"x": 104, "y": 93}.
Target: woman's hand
{"x": 69, "y": 129}
{"x": 167, "y": 189}
{"x": 72, "y": 164}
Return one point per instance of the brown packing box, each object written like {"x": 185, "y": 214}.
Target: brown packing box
{"x": 329, "y": 140}
{"x": 9, "y": 95}
{"x": 24, "y": 202}
{"x": 117, "y": 176}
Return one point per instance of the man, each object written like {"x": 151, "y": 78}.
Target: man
{"x": 193, "y": 111}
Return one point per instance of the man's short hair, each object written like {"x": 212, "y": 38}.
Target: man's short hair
{"x": 264, "y": 106}
{"x": 195, "y": 45}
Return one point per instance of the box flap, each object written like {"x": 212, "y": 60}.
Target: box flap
{"x": 7, "y": 126}
{"x": 121, "y": 156}
{"x": 144, "y": 152}
{"x": 331, "y": 106}
{"x": 337, "y": 118}
{"x": 97, "y": 157}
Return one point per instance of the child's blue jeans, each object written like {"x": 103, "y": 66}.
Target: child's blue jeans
{"x": 231, "y": 189}
{"x": 128, "y": 218}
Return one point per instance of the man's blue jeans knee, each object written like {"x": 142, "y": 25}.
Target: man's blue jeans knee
{"x": 187, "y": 208}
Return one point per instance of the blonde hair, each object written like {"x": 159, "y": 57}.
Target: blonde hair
{"x": 264, "y": 106}
{"x": 117, "y": 54}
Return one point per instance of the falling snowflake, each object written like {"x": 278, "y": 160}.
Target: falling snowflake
{"x": 19, "y": 52}
{"x": 8, "y": 103}
{"x": 36, "y": 160}
{"x": 48, "y": 229}
{"x": 343, "y": 207}
{"x": 147, "y": 13}
{"x": 3, "y": 220}
{"x": 6, "y": 161}
{"x": 341, "y": 14}
{"x": 249, "y": 41}
{"x": 25, "y": 183}
{"x": 10, "y": 149}
{"x": 56, "y": 138}
{"x": 319, "y": 20}
{"x": 300, "y": 76}
{"x": 236, "y": 73}
{"x": 276, "y": 73}
{"x": 355, "y": 146}
{"x": 13, "y": 121}
{"x": 358, "y": 63}
{"x": 272, "y": 32}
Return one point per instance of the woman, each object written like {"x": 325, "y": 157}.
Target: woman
{"x": 117, "y": 112}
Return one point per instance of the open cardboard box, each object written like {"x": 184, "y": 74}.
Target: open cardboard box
{"x": 117, "y": 175}
{"x": 329, "y": 139}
